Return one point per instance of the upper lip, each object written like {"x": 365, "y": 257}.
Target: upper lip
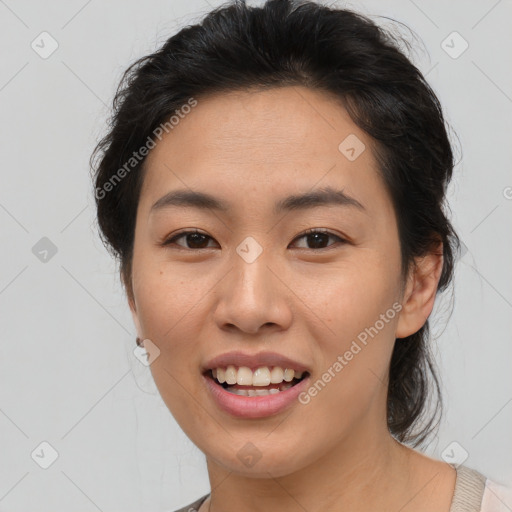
{"x": 254, "y": 361}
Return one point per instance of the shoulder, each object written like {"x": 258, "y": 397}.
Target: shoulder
{"x": 474, "y": 492}
{"x": 193, "y": 507}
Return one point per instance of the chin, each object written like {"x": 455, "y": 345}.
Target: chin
{"x": 258, "y": 458}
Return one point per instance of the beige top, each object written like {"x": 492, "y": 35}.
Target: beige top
{"x": 470, "y": 486}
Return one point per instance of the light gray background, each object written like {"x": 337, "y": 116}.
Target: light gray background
{"x": 68, "y": 373}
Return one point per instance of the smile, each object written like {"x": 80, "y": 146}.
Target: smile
{"x": 262, "y": 381}
{"x": 255, "y": 393}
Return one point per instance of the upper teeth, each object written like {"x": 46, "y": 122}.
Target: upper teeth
{"x": 262, "y": 376}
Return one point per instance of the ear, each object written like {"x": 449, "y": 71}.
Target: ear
{"x": 135, "y": 317}
{"x": 420, "y": 292}
{"x": 132, "y": 305}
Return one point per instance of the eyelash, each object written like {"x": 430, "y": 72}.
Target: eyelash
{"x": 170, "y": 241}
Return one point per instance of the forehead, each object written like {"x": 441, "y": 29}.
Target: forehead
{"x": 261, "y": 142}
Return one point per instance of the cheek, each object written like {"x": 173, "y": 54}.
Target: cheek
{"x": 168, "y": 307}
{"x": 167, "y": 301}
{"x": 351, "y": 296}
{"x": 170, "y": 314}
{"x": 353, "y": 376}
{"x": 359, "y": 305}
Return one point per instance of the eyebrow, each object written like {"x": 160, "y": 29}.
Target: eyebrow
{"x": 326, "y": 196}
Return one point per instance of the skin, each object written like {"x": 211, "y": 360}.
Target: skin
{"x": 251, "y": 149}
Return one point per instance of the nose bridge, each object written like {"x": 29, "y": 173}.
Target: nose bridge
{"x": 251, "y": 272}
{"x": 252, "y": 295}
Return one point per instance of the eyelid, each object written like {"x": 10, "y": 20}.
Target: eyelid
{"x": 169, "y": 240}
{"x": 324, "y": 231}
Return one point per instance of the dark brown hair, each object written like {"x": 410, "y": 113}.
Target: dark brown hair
{"x": 340, "y": 52}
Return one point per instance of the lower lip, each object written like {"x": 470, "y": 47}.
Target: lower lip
{"x": 254, "y": 406}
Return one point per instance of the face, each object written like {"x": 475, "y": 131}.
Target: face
{"x": 269, "y": 280}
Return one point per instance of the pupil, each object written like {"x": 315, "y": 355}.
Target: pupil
{"x": 196, "y": 243}
{"x": 316, "y": 240}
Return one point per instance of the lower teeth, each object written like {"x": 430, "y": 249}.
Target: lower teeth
{"x": 258, "y": 392}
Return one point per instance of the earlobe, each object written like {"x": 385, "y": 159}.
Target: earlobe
{"x": 420, "y": 293}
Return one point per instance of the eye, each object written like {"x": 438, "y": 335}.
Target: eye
{"x": 194, "y": 239}
{"x": 197, "y": 240}
{"x": 318, "y": 237}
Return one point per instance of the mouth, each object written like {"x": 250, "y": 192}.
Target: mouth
{"x": 251, "y": 386}
{"x": 262, "y": 381}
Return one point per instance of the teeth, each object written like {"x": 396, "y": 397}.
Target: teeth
{"x": 258, "y": 392}
{"x": 288, "y": 375}
{"x": 244, "y": 376}
{"x": 241, "y": 392}
{"x": 262, "y": 376}
{"x": 276, "y": 375}
{"x": 231, "y": 375}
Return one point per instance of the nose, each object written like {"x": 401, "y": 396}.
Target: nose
{"x": 253, "y": 298}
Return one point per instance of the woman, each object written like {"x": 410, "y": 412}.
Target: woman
{"x": 273, "y": 184}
